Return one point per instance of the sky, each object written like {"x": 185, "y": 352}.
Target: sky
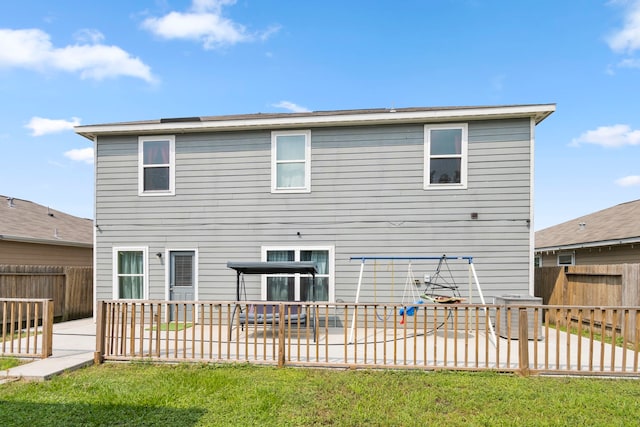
{"x": 75, "y": 62}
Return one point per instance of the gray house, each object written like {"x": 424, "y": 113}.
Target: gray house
{"x": 176, "y": 199}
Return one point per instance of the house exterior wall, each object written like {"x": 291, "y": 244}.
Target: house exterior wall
{"x": 614, "y": 254}
{"x": 367, "y": 198}
{"x": 21, "y": 253}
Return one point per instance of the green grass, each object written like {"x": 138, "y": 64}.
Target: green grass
{"x": 203, "y": 395}
{"x": 172, "y": 326}
{"x": 8, "y": 363}
{"x": 597, "y": 335}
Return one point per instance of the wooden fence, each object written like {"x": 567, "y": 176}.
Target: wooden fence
{"x": 70, "y": 288}
{"x": 590, "y": 285}
{"x": 28, "y": 327}
{"x": 426, "y": 336}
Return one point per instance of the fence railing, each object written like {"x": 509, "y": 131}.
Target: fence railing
{"x": 27, "y": 327}
{"x": 523, "y": 339}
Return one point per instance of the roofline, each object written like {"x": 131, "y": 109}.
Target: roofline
{"x": 322, "y": 118}
{"x": 626, "y": 241}
{"x": 44, "y": 241}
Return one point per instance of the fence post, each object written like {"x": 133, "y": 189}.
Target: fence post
{"x": 47, "y": 328}
{"x": 101, "y": 315}
{"x": 523, "y": 341}
{"x": 281, "y": 343}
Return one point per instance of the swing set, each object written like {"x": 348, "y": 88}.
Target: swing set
{"x": 440, "y": 287}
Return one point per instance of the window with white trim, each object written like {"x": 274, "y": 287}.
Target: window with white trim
{"x": 537, "y": 261}
{"x": 156, "y": 170}
{"x": 566, "y": 259}
{"x": 129, "y": 273}
{"x": 298, "y": 287}
{"x": 445, "y": 156}
{"x": 291, "y": 161}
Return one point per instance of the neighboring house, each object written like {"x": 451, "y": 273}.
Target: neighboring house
{"x": 609, "y": 236}
{"x": 176, "y": 199}
{"x": 32, "y": 234}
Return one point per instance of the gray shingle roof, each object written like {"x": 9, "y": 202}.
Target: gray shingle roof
{"x": 22, "y": 220}
{"x": 617, "y": 223}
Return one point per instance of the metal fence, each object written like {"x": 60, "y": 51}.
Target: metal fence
{"x": 524, "y": 339}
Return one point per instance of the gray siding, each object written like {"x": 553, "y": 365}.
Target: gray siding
{"x": 367, "y": 198}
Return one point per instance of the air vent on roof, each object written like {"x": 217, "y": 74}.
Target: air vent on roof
{"x": 10, "y": 202}
{"x": 180, "y": 120}
{"x": 582, "y": 225}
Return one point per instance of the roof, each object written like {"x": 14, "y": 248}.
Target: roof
{"x": 619, "y": 224}
{"x": 538, "y": 112}
{"x": 25, "y": 221}
{"x": 303, "y": 267}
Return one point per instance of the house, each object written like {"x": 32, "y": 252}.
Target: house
{"x": 32, "y": 234}
{"x": 609, "y": 236}
{"x": 176, "y": 199}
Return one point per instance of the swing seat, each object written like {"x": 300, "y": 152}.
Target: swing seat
{"x": 270, "y": 314}
{"x": 443, "y": 299}
{"x": 410, "y": 311}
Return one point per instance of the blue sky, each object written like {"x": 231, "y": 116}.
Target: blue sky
{"x": 70, "y": 62}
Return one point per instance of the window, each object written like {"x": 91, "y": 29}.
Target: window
{"x": 291, "y": 162}
{"x": 445, "y": 152}
{"x": 566, "y": 259}
{"x": 156, "y": 165}
{"x": 129, "y": 279}
{"x": 537, "y": 261}
{"x": 298, "y": 287}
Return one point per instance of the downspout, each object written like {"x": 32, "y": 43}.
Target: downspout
{"x": 531, "y": 208}
{"x": 95, "y": 228}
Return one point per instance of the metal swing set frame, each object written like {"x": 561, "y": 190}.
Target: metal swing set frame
{"x": 432, "y": 285}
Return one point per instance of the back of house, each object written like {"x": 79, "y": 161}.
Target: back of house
{"x": 176, "y": 199}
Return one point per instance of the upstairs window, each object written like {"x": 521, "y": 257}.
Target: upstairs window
{"x": 156, "y": 165}
{"x": 445, "y": 163}
{"x": 291, "y": 162}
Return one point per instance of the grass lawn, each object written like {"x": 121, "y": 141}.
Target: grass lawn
{"x": 191, "y": 395}
{"x": 8, "y": 362}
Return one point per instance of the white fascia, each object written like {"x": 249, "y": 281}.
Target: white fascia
{"x": 389, "y": 116}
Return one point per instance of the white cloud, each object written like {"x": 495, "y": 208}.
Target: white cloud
{"x": 629, "y": 63}
{"x": 88, "y": 35}
{"x": 32, "y": 49}
{"x": 291, "y": 107}
{"x": 204, "y": 23}
{"x": 609, "y": 136}
{"x": 40, "y": 126}
{"x": 627, "y": 38}
{"x": 81, "y": 155}
{"x": 629, "y": 181}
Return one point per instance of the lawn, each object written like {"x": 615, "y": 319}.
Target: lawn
{"x": 191, "y": 395}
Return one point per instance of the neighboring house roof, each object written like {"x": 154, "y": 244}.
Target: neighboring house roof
{"x": 25, "y": 221}
{"x": 619, "y": 224}
{"x": 538, "y": 112}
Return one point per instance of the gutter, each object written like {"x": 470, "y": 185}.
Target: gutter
{"x": 612, "y": 242}
{"x": 44, "y": 241}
